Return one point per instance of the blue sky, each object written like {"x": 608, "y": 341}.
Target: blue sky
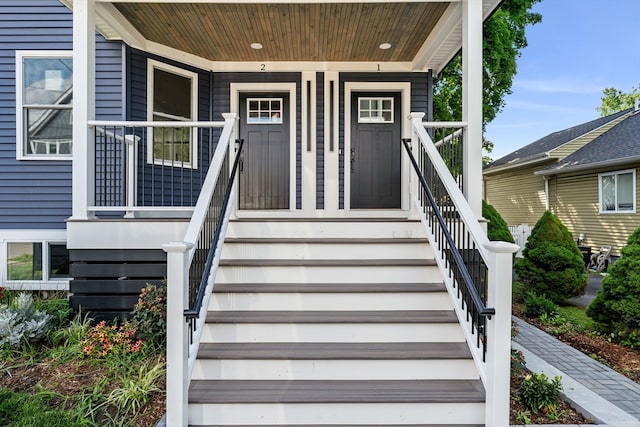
{"x": 579, "y": 48}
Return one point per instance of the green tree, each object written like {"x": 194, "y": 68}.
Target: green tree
{"x": 552, "y": 264}
{"x": 497, "y": 228}
{"x": 616, "y": 307}
{"x": 504, "y": 39}
{"x": 614, "y": 100}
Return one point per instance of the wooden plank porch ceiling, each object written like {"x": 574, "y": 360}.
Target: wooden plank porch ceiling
{"x": 340, "y": 32}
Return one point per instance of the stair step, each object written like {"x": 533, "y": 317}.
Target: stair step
{"x": 350, "y": 425}
{"x": 328, "y": 262}
{"x": 328, "y": 241}
{"x": 330, "y": 351}
{"x": 328, "y": 287}
{"x": 387, "y": 316}
{"x": 336, "y": 391}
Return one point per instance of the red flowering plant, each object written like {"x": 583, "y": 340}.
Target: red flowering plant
{"x": 1, "y": 292}
{"x": 104, "y": 340}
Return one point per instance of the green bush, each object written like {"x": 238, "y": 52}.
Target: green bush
{"x": 552, "y": 265}
{"x": 539, "y": 394}
{"x": 616, "y": 307}
{"x": 537, "y": 305}
{"x": 150, "y": 315}
{"x": 497, "y": 228}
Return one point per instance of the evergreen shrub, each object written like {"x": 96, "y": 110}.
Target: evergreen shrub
{"x": 497, "y": 228}
{"x": 552, "y": 265}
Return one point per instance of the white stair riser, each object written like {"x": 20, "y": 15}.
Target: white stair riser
{"x": 437, "y": 369}
{"x": 330, "y": 301}
{"x": 323, "y": 413}
{"x": 323, "y": 274}
{"x": 335, "y": 332}
{"x": 284, "y": 229}
{"x": 233, "y": 250}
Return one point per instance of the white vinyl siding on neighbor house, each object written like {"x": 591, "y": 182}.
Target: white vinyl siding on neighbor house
{"x": 172, "y": 97}
{"x": 44, "y": 94}
{"x": 617, "y": 191}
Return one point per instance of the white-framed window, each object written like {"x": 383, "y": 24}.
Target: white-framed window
{"x": 617, "y": 191}
{"x": 172, "y": 96}
{"x": 375, "y": 110}
{"x": 35, "y": 263}
{"x": 44, "y": 110}
{"x": 264, "y": 110}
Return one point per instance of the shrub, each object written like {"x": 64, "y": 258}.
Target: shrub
{"x": 150, "y": 315}
{"x": 20, "y": 321}
{"x": 552, "y": 264}
{"x": 537, "y": 305}
{"x": 539, "y": 394}
{"x": 497, "y": 228}
{"x": 103, "y": 340}
{"x": 616, "y": 307}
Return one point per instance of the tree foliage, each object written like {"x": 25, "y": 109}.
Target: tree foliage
{"x": 614, "y": 100}
{"x": 504, "y": 38}
{"x": 497, "y": 228}
{"x": 616, "y": 306}
{"x": 552, "y": 264}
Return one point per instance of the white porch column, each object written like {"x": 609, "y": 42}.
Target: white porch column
{"x": 472, "y": 102}
{"x": 498, "y": 373}
{"x": 177, "y": 333}
{"x": 84, "y": 54}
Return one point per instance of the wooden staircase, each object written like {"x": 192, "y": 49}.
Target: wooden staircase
{"x": 332, "y": 323}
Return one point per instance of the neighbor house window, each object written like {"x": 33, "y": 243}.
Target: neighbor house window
{"x": 44, "y": 94}
{"x": 37, "y": 261}
{"x": 618, "y": 192}
{"x": 172, "y": 98}
{"x": 375, "y": 110}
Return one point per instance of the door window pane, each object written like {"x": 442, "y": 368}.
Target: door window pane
{"x": 264, "y": 110}
{"x": 375, "y": 110}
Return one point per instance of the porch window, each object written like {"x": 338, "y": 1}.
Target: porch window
{"x": 172, "y": 97}
{"x": 264, "y": 110}
{"x": 375, "y": 110}
{"x": 44, "y": 93}
{"x": 618, "y": 192}
{"x": 37, "y": 261}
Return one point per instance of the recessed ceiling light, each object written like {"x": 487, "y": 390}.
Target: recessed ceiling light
{"x": 385, "y": 46}
{"x": 256, "y": 46}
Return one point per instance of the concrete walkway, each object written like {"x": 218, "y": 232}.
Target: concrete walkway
{"x": 598, "y": 392}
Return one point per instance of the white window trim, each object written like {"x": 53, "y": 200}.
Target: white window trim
{"x": 45, "y": 237}
{"x": 633, "y": 183}
{"x": 20, "y": 132}
{"x": 151, "y": 65}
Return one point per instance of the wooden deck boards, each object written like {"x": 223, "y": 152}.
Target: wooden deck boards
{"x": 334, "y": 351}
{"x": 336, "y": 391}
{"x": 386, "y": 316}
{"x": 328, "y": 287}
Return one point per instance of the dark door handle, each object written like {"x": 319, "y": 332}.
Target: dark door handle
{"x": 353, "y": 158}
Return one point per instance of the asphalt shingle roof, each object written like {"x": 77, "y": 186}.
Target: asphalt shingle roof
{"x": 552, "y": 141}
{"x": 617, "y": 144}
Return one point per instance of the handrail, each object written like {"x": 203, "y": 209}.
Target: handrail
{"x": 192, "y": 313}
{"x": 464, "y": 271}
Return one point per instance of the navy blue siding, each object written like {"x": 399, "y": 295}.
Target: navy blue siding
{"x": 319, "y": 140}
{"x": 165, "y": 179}
{"x": 221, "y": 104}
{"x": 37, "y": 194}
{"x": 419, "y": 103}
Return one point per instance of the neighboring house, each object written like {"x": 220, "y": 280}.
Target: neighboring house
{"x": 121, "y": 125}
{"x": 586, "y": 175}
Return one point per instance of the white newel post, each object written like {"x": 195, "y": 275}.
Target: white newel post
{"x": 177, "y": 333}
{"x": 499, "y": 264}
{"x": 414, "y": 184}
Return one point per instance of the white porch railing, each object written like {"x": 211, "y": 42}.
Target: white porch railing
{"x": 150, "y": 166}
{"x": 185, "y": 268}
{"x": 477, "y": 272}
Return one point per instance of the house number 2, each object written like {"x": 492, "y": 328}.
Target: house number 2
{"x": 263, "y": 67}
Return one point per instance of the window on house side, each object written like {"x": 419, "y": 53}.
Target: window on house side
{"x": 618, "y": 192}
{"x": 172, "y": 98}
{"x": 37, "y": 261}
{"x": 44, "y": 95}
